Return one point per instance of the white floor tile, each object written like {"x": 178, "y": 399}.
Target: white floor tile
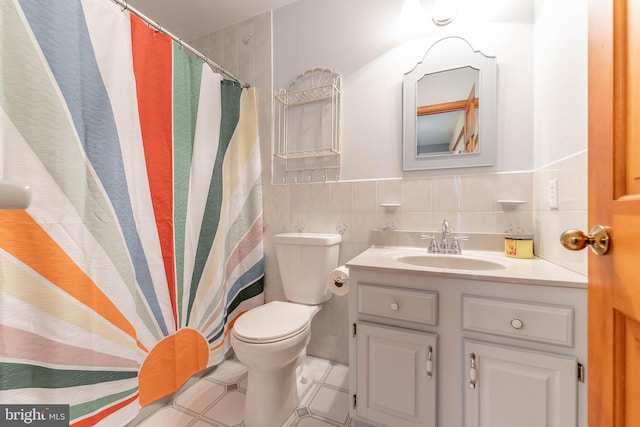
{"x": 307, "y": 397}
{"x": 290, "y": 420}
{"x": 318, "y": 366}
{"x": 228, "y": 410}
{"x": 312, "y": 422}
{"x": 330, "y": 404}
{"x": 201, "y": 423}
{"x": 321, "y": 401}
{"x": 338, "y": 377}
{"x": 168, "y": 417}
{"x": 200, "y": 395}
{"x": 228, "y": 372}
{"x": 243, "y": 384}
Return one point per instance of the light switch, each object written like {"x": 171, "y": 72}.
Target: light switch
{"x": 553, "y": 194}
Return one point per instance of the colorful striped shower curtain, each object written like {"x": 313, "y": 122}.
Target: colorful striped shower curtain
{"x": 143, "y": 242}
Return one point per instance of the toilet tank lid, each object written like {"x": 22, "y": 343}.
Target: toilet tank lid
{"x": 318, "y": 239}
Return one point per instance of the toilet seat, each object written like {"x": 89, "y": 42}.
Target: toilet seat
{"x": 272, "y": 322}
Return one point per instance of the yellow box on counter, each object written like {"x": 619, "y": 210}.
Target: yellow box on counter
{"x": 518, "y": 247}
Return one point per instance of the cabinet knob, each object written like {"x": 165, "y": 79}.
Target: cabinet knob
{"x": 517, "y": 324}
{"x": 394, "y": 306}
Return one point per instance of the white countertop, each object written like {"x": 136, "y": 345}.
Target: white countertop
{"x": 534, "y": 271}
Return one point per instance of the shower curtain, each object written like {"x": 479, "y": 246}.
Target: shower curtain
{"x": 143, "y": 242}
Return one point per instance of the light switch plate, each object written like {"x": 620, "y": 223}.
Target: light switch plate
{"x": 553, "y": 194}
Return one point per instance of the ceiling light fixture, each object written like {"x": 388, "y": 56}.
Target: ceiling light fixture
{"x": 411, "y": 16}
{"x": 444, "y": 12}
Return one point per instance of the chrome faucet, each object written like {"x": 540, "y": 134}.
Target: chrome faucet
{"x": 447, "y": 244}
{"x": 444, "y": 243}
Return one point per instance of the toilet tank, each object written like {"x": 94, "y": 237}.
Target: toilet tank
{"x": 305, "y": 261}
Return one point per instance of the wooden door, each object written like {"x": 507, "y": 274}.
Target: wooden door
{"x": 517, "y": 387}
{"x": 614, "y": 201}
{"x": 396, "y": 386}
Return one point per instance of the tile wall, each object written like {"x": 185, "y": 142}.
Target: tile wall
{"x": 352, "y": 209}
{"x": 548, "y": 224}
{"x": 245, "y": 49}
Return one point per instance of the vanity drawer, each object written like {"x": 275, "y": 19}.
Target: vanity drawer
{"x": 545, "y": 323}
{"x": 413, "y": 306}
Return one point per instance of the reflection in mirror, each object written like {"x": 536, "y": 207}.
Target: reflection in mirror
{"x": 449, "y": 102}
{"x": 447, "y": 112}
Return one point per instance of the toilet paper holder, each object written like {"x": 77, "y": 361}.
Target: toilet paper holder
{"x": 339, "y": 281}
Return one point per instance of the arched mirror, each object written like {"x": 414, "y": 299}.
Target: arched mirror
{"x": 449, "y": 108}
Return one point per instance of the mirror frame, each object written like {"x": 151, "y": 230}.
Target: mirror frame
{"x": 464, "y": 56}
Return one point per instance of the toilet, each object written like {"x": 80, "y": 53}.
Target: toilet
{"x": 271, "y": 339}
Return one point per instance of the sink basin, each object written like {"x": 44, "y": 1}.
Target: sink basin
{"x": 451, "y": 262}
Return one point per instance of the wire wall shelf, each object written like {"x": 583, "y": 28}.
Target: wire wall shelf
{"x": 308, "y": 127}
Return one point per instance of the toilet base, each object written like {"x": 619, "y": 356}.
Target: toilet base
{"x": 304, "y": 379}
{"x": 273, "y": 386}
{"x": 271, "y": 397}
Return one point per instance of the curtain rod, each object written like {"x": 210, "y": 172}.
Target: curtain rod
{"x": 125, "y": 6}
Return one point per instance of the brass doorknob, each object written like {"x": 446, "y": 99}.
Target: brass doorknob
{"x": 597, "y": 239}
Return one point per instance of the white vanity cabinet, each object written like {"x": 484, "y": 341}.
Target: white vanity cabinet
{"x": 508, "y": 385}
{"x": 396, "y": 373}
{"x": 513, "y": 387}
{"x": 528, "y": 344}
{"x": 396, "y": 379}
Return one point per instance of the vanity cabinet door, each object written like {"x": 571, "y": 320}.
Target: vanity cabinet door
{"x": 508, "y": 387}
{"x": 396, "y": 376}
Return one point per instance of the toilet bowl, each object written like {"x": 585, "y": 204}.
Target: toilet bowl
{"x": 271, "y": 339}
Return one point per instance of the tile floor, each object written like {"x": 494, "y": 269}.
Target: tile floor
{"x": 218, "y": 399}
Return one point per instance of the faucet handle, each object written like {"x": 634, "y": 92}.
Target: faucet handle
{"x": 433, "y": 245}
{"x": 455, "y": 245}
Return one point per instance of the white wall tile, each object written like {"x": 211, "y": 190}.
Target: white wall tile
{"x": 363, "y": 223}
{"x": 389, "y": 220}
{"x": 417, "y": 221}
{"x": 518, "y": 221}
{"x": 515, "y": 186}
{"x": 342, "y": 223}
{"x": 340, "y": 350}
{"x": 300, "y": 198}
{"x": 548, "y": 223}
{"x": 388, "y": 191}
{"x": 475, "y": 222}
{"x": 320, "y": 198}
{"x": 339, "y": 316}
{"x": 573, "y": 183}
{"x": 341, "y": 197}
{"x": 215, "y": 46}
{"x": 231, "y": 48}
{"x": 478, "y": 193}
{"x": 446, "y": 194}
{"x": 364, "y": 196}
{"x": 416, "y": 195}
